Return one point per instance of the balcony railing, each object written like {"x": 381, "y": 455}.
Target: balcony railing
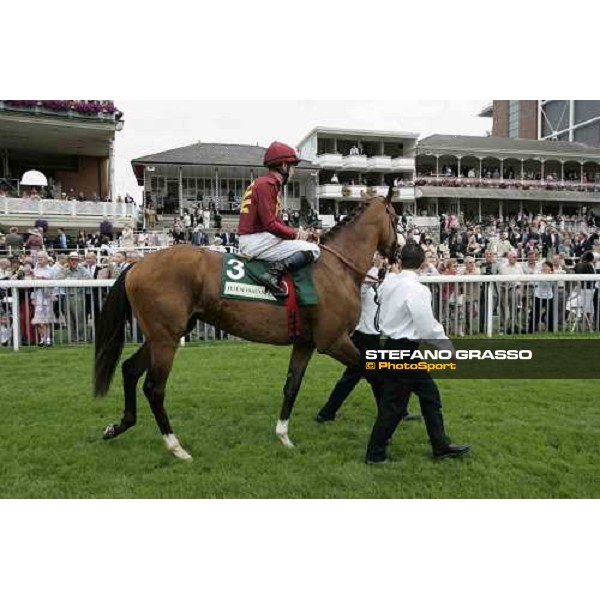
{"x": 400, "y": 193}
{"x": 512, "y": 184}
{"x": 379, "y": 163}
{"x": 363, "y": 162}
{"x": 354, "y": 162}
{"x": 354, "y": 192}
{"x": 330, "y": 190}
{"x": 330, "y": 161}
{"x": 406, "y": 193}
{"x": 65, "y": 208}
{"x": 403, "y": 164}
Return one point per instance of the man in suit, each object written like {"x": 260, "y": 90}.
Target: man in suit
{"x": 224, "y": 235}
{"x": 551, "y": 242}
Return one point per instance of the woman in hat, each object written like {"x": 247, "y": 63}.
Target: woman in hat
{"x": 43, "y": 301}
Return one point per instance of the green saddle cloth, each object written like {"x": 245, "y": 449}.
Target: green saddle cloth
{"x": 238, "y": 281}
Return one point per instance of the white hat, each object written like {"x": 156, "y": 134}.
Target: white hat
{"x": 73, "y": 255}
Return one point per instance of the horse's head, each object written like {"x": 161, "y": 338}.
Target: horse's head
{"x": 388, "y": 227}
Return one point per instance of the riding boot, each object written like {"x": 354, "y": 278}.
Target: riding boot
{"x": 271, "y": 279}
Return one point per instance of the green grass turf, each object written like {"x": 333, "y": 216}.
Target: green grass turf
{"x": 531, "y": 439}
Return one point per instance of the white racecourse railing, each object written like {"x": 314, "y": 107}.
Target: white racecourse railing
{"x": 72, "y": 308}
{"x": 466, "y": 305}
{"x": 66, "y": 208}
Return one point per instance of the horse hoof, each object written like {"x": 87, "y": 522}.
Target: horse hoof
{"x": 182, "y": 454}
{"x": 175, "y": 448}
{"x": 281, "y": 430}
{"x": 110, "y": 432}
{"x": 285, "y": 440}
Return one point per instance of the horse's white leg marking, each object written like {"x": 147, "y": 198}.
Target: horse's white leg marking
{"x": 174, "y": 446}
{"x": 282, "y": 433}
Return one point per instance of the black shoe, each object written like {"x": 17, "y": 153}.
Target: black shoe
{"x": 411, "y": 417}
{"x": 451, "y": 451}
{"x": 321, "y": 419}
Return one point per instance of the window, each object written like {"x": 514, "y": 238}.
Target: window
{"x": 555, "y": 116}
{"x": 586, "y": 110}
{"x": 588, "y": 134}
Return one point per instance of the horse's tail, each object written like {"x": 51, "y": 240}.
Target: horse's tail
{"x": 110, "y": 335}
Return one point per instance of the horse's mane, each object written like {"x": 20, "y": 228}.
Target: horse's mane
{"x": 354, "y": 214}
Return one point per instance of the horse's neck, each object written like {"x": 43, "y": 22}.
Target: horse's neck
{"x": 357, "y": 243}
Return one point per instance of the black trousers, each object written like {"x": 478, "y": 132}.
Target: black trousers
{"x": 394, "y": 402}
{"x": 539, "y": 306}
{"x": 351, "y": 377}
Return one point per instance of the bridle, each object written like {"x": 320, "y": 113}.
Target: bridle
{"x": 393, "y": 222}
{"x": 394, "y": 225}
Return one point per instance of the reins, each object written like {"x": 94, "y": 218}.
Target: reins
{"x": 349, "y": 264}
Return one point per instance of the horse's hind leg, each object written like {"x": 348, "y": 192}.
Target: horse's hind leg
{"x": 133, "y": 368}
{"x": 161, "y": 360}
{"x": 301, "y": 355}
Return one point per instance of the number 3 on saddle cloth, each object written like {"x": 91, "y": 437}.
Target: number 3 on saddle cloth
{"x": 239, "y": 281}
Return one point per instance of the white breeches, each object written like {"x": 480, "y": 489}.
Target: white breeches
{"x": 266, "y": 246}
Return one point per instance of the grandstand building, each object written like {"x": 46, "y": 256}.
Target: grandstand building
{"x": 355, "y": 164}
{"x": 476, "y": 176}
{"x": 71, "y": 143}
{"x": 440, "y": 174}
{"x": 554, "y": 120}
{"x": 216, "y": 176}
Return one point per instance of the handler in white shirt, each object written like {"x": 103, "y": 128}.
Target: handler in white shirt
{"x": 406, "y": 319}
{"x": 365, "y": 337}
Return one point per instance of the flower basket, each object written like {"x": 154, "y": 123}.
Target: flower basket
{"x": 22, "y": 103}
{"x": 87, "y": 108}
{"x": 83, "y": 107}
{"x": 57, "y": 105}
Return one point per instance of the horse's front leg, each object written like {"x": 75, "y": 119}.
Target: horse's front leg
{"x": 298, "y": 362}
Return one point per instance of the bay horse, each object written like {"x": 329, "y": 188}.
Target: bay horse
{"x": 170, "y": 289}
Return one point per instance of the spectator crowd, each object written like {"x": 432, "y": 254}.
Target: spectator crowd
{"x": 516, "y": 245}
{"x": 524, "y": 244}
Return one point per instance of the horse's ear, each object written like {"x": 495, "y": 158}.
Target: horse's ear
{"x": 388, "y": 198}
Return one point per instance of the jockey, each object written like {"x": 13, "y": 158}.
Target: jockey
{"x": 263, "y": 234}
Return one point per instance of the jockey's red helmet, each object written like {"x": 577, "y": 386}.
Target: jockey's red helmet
{"x": 279, "y": 153}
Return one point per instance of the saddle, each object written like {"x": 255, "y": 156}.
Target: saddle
{"x": 240, "y": 281}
